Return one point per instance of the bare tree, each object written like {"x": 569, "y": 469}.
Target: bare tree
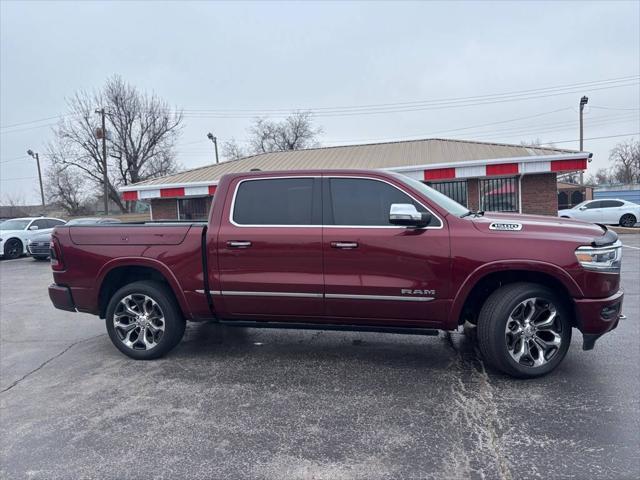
{"x": 293, "y": 133}
{"x": 231, "y": 150}
{"x": 67, "y": 188}
{"x": 142, "y": 131}
{"x": 601, "y": 177}
{"x": 625, "y": 158}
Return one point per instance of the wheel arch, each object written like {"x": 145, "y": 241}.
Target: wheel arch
{"x": 485, "y": 280}
{"x": 124, "y": 271}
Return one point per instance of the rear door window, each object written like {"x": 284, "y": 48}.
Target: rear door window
{"x": 610, "y": 204}
{"x": 276, "y": 202}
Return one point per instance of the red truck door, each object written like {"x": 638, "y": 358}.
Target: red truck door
{"x": 374, "y": 270}
{"x": 270, "y": 248}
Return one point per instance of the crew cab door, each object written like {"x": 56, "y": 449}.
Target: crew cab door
{"x": 375, "y": 270}
{"x": 269, "y": 248}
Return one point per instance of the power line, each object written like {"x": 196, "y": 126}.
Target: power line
{"x": 407, "y": 106}
{"x": 614, "y": 108}
{"x": 17, "y": 178}
{"x": 596, "y": 138}
{"x": 580, "y": 85}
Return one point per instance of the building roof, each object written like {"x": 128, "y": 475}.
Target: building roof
{"x": 369, "y": 156}
{"x": 431, "y": 159}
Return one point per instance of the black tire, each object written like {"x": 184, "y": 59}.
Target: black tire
{"x": 628, "y": 220}
{"x": 174, "y": 323}
{"x": 13, "y": 248}
{"x": 492, "y": 324}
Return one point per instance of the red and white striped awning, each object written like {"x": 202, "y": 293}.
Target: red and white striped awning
{"x": 145, "y": 192}
{"x": 497, "y": 167}
{"x": 430, "y": 172}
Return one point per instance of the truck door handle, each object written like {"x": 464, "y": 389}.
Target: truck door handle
{"x": 344, "y": 245}
{"x": 238, "y": 244}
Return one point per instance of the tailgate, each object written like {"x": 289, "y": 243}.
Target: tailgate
{"x": 128, "y": 234}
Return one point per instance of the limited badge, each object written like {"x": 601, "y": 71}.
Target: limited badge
{"x": 509, "y": 227}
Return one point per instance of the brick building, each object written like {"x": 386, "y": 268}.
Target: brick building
{"x": 486, "y": 176}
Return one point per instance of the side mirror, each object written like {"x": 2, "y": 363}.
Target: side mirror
{"x": 33, "y": 227}
{"x": 406, "y": 215}
{"x": 582, "y": 208}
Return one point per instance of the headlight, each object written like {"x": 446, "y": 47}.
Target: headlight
{"x": 601, "y": 259}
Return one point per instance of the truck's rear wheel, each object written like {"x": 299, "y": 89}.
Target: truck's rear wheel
{"x": 143, "y": 320}
{"x": 524, "y": 330}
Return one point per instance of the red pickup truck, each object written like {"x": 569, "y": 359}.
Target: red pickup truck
{"x": 347, "y": 250}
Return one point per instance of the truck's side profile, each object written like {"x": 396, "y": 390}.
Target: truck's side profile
{"x": 344, "y": 249}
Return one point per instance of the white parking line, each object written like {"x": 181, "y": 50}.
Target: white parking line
{"x": 628, "y": 246}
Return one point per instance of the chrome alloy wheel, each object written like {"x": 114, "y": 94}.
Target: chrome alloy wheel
{"x": 533, "y": 332}
{"x": 139, "y": 321}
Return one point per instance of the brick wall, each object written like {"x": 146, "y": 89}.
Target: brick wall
{"x": 540, "y": 194}
{"x": 164, "y": 209}
{"x": 473, "y": 194}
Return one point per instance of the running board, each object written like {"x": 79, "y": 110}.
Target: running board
{"x": 330, "y": 326}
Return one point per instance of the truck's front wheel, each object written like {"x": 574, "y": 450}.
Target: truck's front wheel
{"x": 524, "y": 330}
{"x": 143, "y": 320}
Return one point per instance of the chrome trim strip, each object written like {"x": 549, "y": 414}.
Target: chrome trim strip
{"x": 379, "y": 297}
{"x": 233, "y": 293}
{"x": 236, "y": 293}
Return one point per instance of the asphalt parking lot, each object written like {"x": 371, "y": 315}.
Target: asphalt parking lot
{"x": 241, "y": 403}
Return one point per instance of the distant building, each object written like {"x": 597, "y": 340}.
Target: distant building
{"x": 486, "y": 176}
{"x": 571, "y": 194}
{"x": 630, "y": 192}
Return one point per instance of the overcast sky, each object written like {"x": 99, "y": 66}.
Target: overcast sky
{"x": 266, "y": 56}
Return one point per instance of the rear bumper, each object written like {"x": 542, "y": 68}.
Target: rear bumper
{"x": 61, "y": 297}
{"x": 597, "y": 316}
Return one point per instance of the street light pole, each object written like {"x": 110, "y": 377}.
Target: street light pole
{"x": 105, "y": 178}
{"x": 215, "y": 143}
{"x": 35, "y": 155}
{"x": 583, "y": 101}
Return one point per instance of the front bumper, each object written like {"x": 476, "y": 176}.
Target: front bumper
{"x": 61, "y": 297}
{"x": 597, "y": 316}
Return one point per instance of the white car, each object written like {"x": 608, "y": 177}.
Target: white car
{"x": 610, "y": 211}
{"x": 15, "y": 233}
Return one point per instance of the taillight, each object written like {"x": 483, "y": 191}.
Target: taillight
{"x": 56, "y": 255}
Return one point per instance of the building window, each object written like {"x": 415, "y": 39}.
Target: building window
{"x": 454, "y": 189}
{"x": 193, "y": 208}
{"x": 499, "y": 194}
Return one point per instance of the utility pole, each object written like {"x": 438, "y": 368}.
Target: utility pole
{"x": 215, "y": 143}
{"x": 35, "y": 155}
{"x": 583, "y": 101}
{"x": 105, "y": 178}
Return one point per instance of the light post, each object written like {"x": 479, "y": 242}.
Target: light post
{"x": 33, "y": 154}
{"x": 215, "y": 143}
{"x": 105, "y": 178}
{"x": 583, "y": 101}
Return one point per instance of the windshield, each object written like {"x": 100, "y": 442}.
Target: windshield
{"x": 14, "y": 224}
{"x": 435, "y": 196}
